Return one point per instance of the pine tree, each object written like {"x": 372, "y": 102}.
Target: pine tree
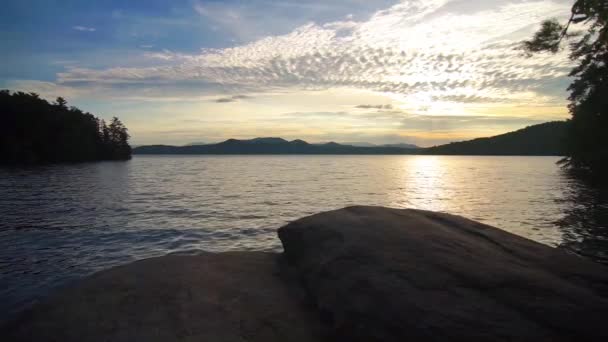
{"x": 61, "y": 103}
{"x": 587, "y": 145}
{"x": 119, "y": 138}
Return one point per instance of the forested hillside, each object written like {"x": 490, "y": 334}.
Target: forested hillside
{"x": 542, "y": 139}
{"x": 36, "y": 131}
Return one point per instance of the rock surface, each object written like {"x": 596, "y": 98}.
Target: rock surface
{"x": 379, "y": 274}
{"x": 355, "y": 274}
{"x": 210, "y": 297}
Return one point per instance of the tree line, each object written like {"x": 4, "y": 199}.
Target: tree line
{"x": 587, "y": 33}
{"x": 35, "y": 131}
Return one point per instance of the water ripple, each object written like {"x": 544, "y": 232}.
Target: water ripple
{"x": 62, "y": 222}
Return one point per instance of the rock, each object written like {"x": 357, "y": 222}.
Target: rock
{"x": 379, "y": 274}
{"x": 355, "y": 274}
{"x": 210, "y": 297}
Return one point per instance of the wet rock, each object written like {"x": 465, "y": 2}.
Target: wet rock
{"x": 209, "y": 297}
{"x": 379, "y": 274}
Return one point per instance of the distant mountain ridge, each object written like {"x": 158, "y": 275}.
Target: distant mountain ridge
{"x": 401, "y": 145}
{"x": 542, "y": 139}
{"x": 269, "y": 145}
{"x": 367, "y": 144}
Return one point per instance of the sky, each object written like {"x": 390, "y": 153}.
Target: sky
{"x": 412, "y": 71}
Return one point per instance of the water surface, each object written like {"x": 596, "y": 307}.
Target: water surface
{"x": 61, "y": 222}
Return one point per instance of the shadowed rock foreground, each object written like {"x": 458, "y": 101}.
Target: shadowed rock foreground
{"x": 355, "y": 274}
{"x": 234, "y": 296}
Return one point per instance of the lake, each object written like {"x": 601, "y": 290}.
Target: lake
{"x": 62, "y": 222}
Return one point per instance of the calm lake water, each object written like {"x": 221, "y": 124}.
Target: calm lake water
{"x": 65, "y": 221}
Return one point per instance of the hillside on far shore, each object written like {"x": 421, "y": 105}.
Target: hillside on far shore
{"x": 544, "y": 139}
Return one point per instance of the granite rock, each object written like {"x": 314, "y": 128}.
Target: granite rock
{"x": 380, "y": 274}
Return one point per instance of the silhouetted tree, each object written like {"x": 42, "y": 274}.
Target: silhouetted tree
{"x": 118, "y": 139}
{"x": 587, "y": 142}
{"x": 36, "y": 131}
{"x": 61, "y": 102}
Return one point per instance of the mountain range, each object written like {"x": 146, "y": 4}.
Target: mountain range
{"x": 542, "y": 139}
{"x": 268, "y": 146}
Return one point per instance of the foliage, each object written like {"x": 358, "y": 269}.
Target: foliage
{"x": 36, "y": 131}
{"x": 587, "y": 143}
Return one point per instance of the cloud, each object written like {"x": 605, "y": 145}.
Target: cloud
{"x": 449, "y": 69}
{"x": 84, "y": 28}
{"x": 314, "y": 115}
{"x": 247, "y": 21}
{"x": 232, "y": 98}
{"x": 402, "y": 122}
{"x": 466, "y": 122}
{"x": 369, "y": 106}
{"x": 238, "y": 21}
{"x": 48, "y": 90}
{"x": 167, "y": 55}
{"x": 415, "y": 50}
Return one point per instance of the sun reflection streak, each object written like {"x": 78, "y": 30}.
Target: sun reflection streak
{"x": 426, "y": 177}
{"x": 440, "y": 183}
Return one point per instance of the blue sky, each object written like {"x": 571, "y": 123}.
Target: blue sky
{"x": 425, "y": 72}
{"x": 41, "y": 37}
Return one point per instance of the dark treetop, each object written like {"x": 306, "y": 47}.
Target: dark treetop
{"x": 36, "y": 131}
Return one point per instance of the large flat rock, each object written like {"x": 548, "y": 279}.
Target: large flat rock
{"x": 379, "y": 274}
{"x": 208, "y": 297}
{"x": 355, "y": 274}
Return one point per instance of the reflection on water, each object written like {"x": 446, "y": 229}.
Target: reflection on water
{"x": 64, "y": 221}
{"x": 585, "y": 223}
